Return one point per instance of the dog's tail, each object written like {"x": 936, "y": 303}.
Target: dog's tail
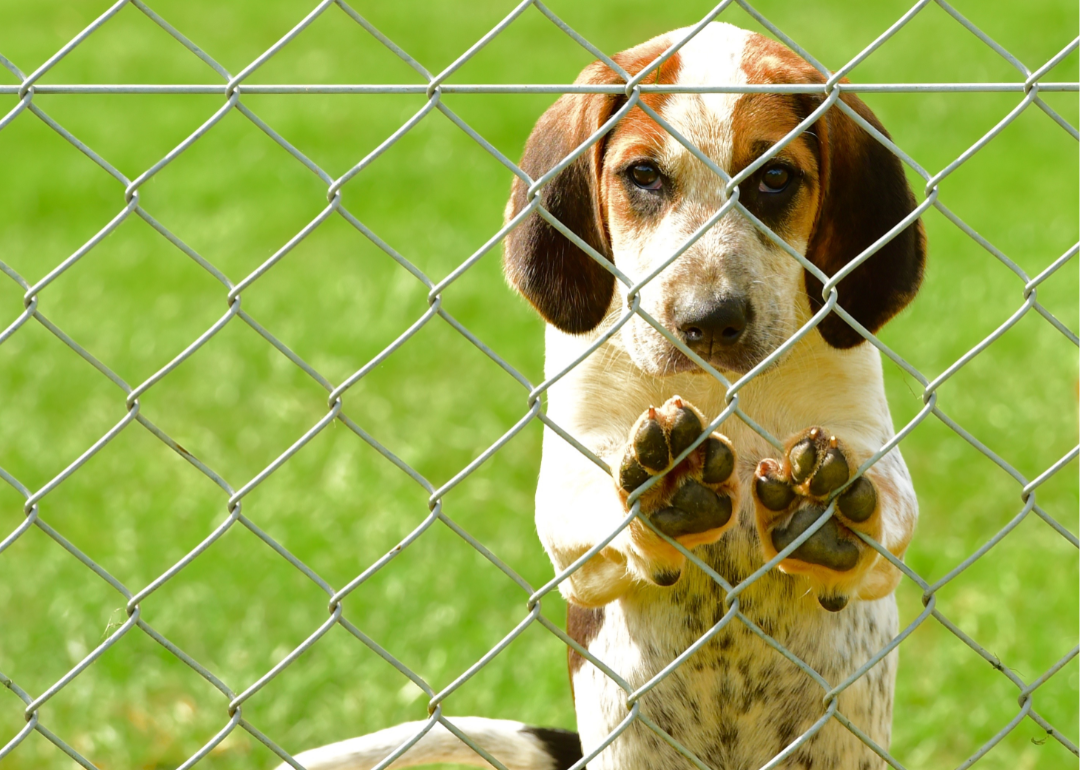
{"x": 518, "y": 746}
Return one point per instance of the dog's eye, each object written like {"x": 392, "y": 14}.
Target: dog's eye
{"x": 774, "y": 179}
{"x": 646, "y": 176}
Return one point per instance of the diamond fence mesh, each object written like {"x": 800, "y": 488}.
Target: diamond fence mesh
{"x": 1028, "y": 87}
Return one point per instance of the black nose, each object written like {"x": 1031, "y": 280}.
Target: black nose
{"x": 716, "y": 324}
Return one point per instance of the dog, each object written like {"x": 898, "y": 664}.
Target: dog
{"x": 636, "y": 196}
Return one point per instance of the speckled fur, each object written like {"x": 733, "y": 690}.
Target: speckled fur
{"x": 736, "y": 702}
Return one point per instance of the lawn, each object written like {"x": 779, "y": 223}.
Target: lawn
{"x": 136, "y": 301}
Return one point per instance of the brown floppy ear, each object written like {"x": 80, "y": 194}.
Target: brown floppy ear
{"x": 864, "y": 194}
{"x": 566, "y": 286}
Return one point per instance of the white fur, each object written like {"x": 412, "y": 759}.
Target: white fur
{"x": 730, "y": 257}
{"x": 501, "y": 738}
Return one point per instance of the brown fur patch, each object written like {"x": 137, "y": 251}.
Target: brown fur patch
{"x": 758, "y": 122}
{"x": 565, "y": 285}
{"x": 636, "y": 122}
{"x": 637, "y": 136}
{"x": 863, "y": 193}
{"x": 582, "y": 625}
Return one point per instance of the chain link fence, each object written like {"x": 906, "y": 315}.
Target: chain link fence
{"x": 1029, "y": 87}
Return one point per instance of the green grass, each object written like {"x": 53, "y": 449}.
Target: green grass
{"x": 135, "y": 302}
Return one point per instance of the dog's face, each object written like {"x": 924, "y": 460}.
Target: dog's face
{"x": 730, "y": 295}
{"x": 639, "y": 195}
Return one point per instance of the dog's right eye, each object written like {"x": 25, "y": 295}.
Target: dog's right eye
{"x": 646, "y": 176}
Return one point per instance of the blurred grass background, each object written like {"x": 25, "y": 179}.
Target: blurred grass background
{"x": 136, "y": 301}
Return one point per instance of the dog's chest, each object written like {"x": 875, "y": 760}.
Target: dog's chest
{"x": 736, "y": 701}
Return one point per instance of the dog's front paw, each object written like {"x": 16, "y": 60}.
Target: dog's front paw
{"x": 791, "y": 495}
{"x": 694, "y": 503}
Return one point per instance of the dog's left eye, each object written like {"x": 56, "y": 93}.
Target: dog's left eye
{"x": 646, "y": 176}
{"x": 774, "y": 179}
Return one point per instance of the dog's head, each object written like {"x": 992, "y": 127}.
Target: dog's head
{"x": 638, "y": 195}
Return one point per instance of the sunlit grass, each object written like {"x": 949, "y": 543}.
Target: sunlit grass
{"x": 236, "y": 197}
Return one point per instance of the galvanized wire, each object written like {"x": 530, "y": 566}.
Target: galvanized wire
{"x": 233, "y": 87}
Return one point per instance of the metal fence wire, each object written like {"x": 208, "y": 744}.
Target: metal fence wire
{"x": 35, "y": 705}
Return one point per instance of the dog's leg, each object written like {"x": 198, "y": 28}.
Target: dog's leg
{"x": 791, "y": 494}
{"x": 694, "y": 503}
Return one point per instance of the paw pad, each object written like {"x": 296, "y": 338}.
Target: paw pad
{"x": 651, "y": 445}
{"x": 792, "y": 495}
{"x": 694, "y": 498}
{"x": 719, "y": 461}
{"x": 825, "y": 547}
{"x": 859, "y": 500}
{"x": 694, "y": 509}
{"x": 772, "y": 489}
{"x": 833, "y": 602}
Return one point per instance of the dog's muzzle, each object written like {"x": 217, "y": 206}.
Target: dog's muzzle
{"x": 718, "y": 330}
